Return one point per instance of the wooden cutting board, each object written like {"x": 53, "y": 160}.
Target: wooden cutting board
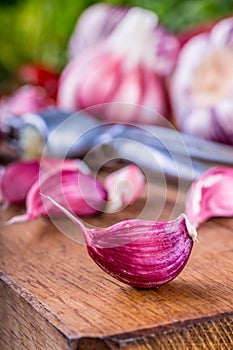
{"x": 53, "y": 296}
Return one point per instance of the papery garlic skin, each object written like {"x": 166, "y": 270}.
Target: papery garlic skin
{"x": 140, "y": 253}
{"x": 104, "y": 18}
{"x": 202, "y": 85}
{"x": 118, "y": 73}
{"x": 211, "y": 195}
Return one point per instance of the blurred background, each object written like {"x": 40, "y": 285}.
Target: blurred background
{"x": 38, "y": 30}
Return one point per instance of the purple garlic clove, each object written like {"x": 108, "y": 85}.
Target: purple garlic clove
{"x": 17, "y": 179}
{"x": 211, "y": 195}
{"x": 81, "y": 193}
{"x": 140, "y": 253}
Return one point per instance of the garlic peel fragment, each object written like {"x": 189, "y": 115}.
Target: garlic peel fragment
{"x": 211, "y": 195}
{"x": 140, "y": 253}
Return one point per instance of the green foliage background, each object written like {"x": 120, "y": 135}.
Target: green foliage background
{"x": 38, "y": 30}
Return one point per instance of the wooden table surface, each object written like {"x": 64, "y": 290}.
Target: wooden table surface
{"x": 53, "y": 296}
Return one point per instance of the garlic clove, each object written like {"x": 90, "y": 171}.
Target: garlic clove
{"x": 124, "y": 187}
{"x": 17, "y": 179}
{"x": 81, "y": 193}
{"x": 210, "y": 195}
{"x": 140, "y": 253}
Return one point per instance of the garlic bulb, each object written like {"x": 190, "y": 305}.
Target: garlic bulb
{"x": 202, "y": 85}
{"x": 104, "y": 18}
{"x": 140, "y": 253}
{"x": 119, "y": 74}
{"x": 211, "y": 195}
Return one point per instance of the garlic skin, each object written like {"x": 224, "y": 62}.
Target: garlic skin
{"x": 119, "y": 74}
{"x": 143, "y": 254}
{"x": 104, "y": 18}
{"x": 211, "y": 195}
{"x": 202, "y": 85}
{"x": 124, "y": 187}
{"x": 81, "y": 193}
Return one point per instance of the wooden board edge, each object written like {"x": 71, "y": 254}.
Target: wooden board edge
{"x": 216, "y": 331}
{"x": 196, "y": 334}
{"x": 26, "y": 322}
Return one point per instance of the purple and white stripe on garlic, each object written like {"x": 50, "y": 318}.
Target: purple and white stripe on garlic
{"x": 202, "y": 85}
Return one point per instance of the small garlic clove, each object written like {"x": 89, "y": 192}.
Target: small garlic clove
{"x": 124, "y": 187}
{"x": 210, "y": 195}
{"x": 18, "y": 177}
{"x": 81, "y": 193}
{"x": 140, "y": 253}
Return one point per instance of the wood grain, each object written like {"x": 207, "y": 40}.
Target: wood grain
{"x": 53, "y": 296}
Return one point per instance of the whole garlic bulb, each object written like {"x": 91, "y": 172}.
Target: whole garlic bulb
{"x": 202, "y": 85}
{"x": 104, "y": 18}
{"x": 119, "y": 72}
